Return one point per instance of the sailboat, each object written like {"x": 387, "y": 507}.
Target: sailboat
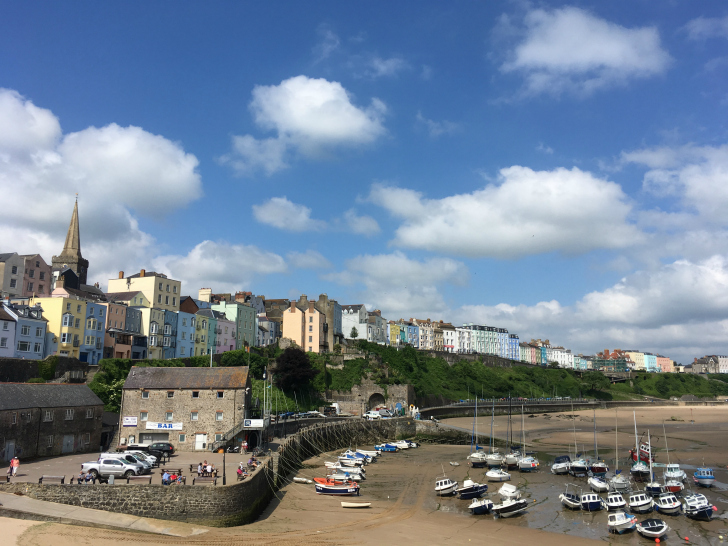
{"x": 477, "y": 458}
{"x": 640, "y": 471}
{"x": 578, "y": 467}
{"x": 526, "y": 463}
{"x": 653, "y": 488}
{"x": 598, "y": 468}
{"x": 673, "y": 475}
{"x": 493, "y": 458}
{"x": 619, "y": 482}
{"x": 511, "y": 458}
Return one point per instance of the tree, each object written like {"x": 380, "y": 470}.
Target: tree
{"x": 595, "y": 381}
{"x": 354, "y": 333}
{"x": 293, "y": 369}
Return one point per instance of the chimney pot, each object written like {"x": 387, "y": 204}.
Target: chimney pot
{"x": 121, "y": 274}
{"x": 142, "y": 272}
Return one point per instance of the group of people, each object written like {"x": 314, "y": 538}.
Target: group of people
{"x": 170, "y": 479}
{"x": 84, "y": 477}
{"x": 13, "y": 468}
{"x": 205, "y": 469}
{"x": 242, "y": 472}
{"x": 253, "y": 462}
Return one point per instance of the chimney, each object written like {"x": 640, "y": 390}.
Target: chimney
{"x": 142, "y": 272}
{"x": 293, "y": 306}
{"x": 121, "y": 274}
{"x": 310, "y": 307}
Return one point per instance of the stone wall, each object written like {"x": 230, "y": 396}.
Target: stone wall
{"x": 369, "y": 395}
{"x": 19, "y": 370}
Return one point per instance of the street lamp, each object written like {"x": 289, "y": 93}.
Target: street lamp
{"x": 224, "y": 477}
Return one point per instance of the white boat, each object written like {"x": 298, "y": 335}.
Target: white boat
{"x": 652, "y": 528}
{"x": 452, "y": 463}
{"x": 704, "y": 477}
{"x": 511, "y": 459}
{"x": 619, "y": 482}
{"x": 674, "y": 472}
{"x": 509, "y": 492}
{"x": 497, "y": 475}
{"x": 355, "y": 504}
{"x": 372, "y": 454}
{"x": 591, "y": 502}
{"x": 357, "y": 455}
{"x": 480, "y": 506}
{"x": 494, "y": 459}
{"x": 510, "y": 508}
{"x": 350, "y": 461}
{"x": 401, "y": 444}
{"x": 598, "y": 484}
{"x": 667, "y": 503}
{"x": 640, "y": 502}
{"x": 344, "y": 476}
{"x": 697, "y": 507}
{"x": 619, "y": 522}
{"x": 302, "y": 480}
{"x": 570, "y": 500}
{"x": 561, "y": 465}
{"x": 528, "y": 464}
{"x": 351, "y": 469}
{"x": 445, "y": 486}
{"x": 615, "y": 501}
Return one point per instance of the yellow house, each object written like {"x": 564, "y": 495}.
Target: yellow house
{"x": 153, "y": 327}
{"x": 638, "y": 359}
{"x": 162, "y": 293}
{"x": 66, "y": 321}
{"x": 306, "y": 327}
{"x": 201, "y": 333}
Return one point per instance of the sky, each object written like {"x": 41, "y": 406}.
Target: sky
{"x": 557, "y": 169}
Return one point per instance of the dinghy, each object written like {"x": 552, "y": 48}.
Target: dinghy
{"x": 570, "y": 500}
{"x": 619, "y": 522}
{"x": 454, "y": 463}
{"x": 652, "y": 528}
{"x": 302, "y": 480}
{"x": 355, "y": 504}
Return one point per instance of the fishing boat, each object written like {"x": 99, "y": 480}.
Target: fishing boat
{"x": 652, "y": 528}
{"x": 615, "y": 501}
{"x": 569, "y": 499}
{"x": 704, "y": 477}
{"x": 674, "y": 472}
{"x": 696, "y": 506}
{"x": 355, "y": 504}
{"x": 591, "y": 502}
{"x": 497, "y": 475}
{"x": 509, "y": 492}
{"x": 326, "y": 486}
{"x": 598, "y": 484}
{"x": 673, "y": 486}
{"x": 510, "y": 508}
{"x": 667, "y": 503}
{"x": 445, "y": 486}
{"x": 644, "y": 450}
{"x": 640, "y": 502}
{"x": 471, "y": 490}
{"x": 561, "y": 465}
{"x": 619, "y": 522}
{"x": 480, "y": 506}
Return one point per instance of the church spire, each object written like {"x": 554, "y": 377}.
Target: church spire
{"x": 73, "y": 237}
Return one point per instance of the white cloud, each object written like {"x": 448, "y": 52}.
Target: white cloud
{"x": 703, "y": 28}
{"x": 329, "y": 42}
{"x": 224, "y": 266}
{"x": 111, "y": 166}
{"x": 437, "y": 128}
{"x": 571, "y": 50}
{"x": 378, "y": 67}
{"x": 310, "y": 259}
{"x": 528, "y": 212}
{"x": 310, "y": 116}
{"x": 281, "y": 213}
{"x": 545, "y": 149}
{"x": 363, "y": 225}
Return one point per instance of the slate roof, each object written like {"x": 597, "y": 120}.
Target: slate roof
{"x": 147, "y": 274}
{"x": 4, "y": 315}
{"x": 121, "y": 296}
{"x": 85, "y": 294}
{"x": 48, "y": 395}
{"x": 4, "y": 257}
{"x": 352, "y": 307}
{"x": 212, "y": 314}
{"x": 234, "y": 377}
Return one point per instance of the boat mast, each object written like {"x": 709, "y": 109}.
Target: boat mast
{"x": 596, "y": 451}
{"x": 616, "y": 444}
{"x": 523, "y": 430}
{"x": 666, "y": 448}
{"x": 573, "y": 418}
{"x": 650, "y": 456}
{"x": 475, "y": 420}
{"x": 510, "y": 425}
{"x": 636, "y": 440}
{"x": 492, "y": 416}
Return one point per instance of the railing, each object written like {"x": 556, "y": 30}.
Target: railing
{"x": 227, "y": 436}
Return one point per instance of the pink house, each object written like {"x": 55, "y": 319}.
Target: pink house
{"x": 226, "y": 335}
{"x": 665, "y": 364}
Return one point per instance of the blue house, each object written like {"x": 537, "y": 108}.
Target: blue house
{"x": 92, "y": 343}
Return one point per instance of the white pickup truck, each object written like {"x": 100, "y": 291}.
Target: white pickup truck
{"x": 107, "y": 466}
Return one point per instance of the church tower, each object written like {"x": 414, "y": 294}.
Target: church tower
{"x": 71, "y": 254}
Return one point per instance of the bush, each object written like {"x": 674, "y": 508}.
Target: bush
{"x": 36, "y": 380}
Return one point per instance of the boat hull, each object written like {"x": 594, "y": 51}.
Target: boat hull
{"x": 473, "y": 492}
{"x": 570, "y": 501}
{"x": 336, "y": 490}
{"x": 509, "y": 509}
{"x": 481, "y": 507}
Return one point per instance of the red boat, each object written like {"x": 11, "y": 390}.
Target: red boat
{"x": 644, "y": 454}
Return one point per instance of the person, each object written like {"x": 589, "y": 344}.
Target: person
{"x": 204, "y": 467}
{"x": 209, "y": 470}
{"x": 165, "y": 478}
{"x": 173, "y": 479}
{"x": 15, "y": 463}
{"x": 245, "y": 446}
{"x": 199, "y": 469}
{"x": 81, "y": 477}
{"x": 90, "y": 478}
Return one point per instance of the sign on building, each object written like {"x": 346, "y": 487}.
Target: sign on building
{"x": 130, "y": 421}
{"x": 163, "y": 426}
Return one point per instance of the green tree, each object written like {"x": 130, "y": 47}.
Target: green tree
{"x": 293, "y": 369}
{"x": 595, "y": 381}
{"x": 354, "y": 333}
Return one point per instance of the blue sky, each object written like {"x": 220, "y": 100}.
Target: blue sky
{"x": 556, "y": 169}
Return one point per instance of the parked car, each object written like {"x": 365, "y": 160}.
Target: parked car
{"x": 384, "y": 413}
{"x": 372, "y": 415}
{"x": 164, "y": 447}
{"x": 130, "y": 458}
{"x": 107, "y": 466}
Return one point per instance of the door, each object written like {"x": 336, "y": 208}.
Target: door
{"x": 67, "y": 443}
{"x": 200, "y": 442}
{"x": 9, "y": 449}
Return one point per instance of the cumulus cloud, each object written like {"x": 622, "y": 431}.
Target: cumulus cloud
{"x": 703, "y": 28}
{"x": 437, "y": 128}
{"x": 225, "y": 266}
{"x": 571, "y": 50}
{"x": 363, "y": 225}
{"x": 569, "y": 211}
{"x": 309, "y": 116}
{"x": 111, "y": 165}
{"x": 310, "y": 259}
{"x": 283, "y": 214}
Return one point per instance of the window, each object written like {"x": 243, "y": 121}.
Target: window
{"x": 168, "y": 416}
{"x": 78, "y": 308}
{"x": 159, "y": 298}
{"x": 218, "y": 437}
{"x": 48, "y": 415}
{"x": 13, "y": 418}
{"x": 31, "y": 273}
{"x": 42, "y": 275}
{"x": 218, "y": 416}
{"x": 160, "y": 285}
{"x": 166, "y": 342}
{"x": 174, "y": 301}
{"x": 184, "y": 335}
{"x": 184, "y": 322}
{"x": 98, "y": 327}
{"x": 193, "y": 416}
{"x": 89, "y": 413}
{"x": 182, "y": 437}
{"x": 310, "y": 339}
{"x": 87, "y": 438}
{"x": 174, "y": 289}
{"x": 167, "y": 329}
{"x": 30, "y": 286}
{"x": 69, "y": 415}
{"x": 195, "y": 394}
{"x": 65, "y": 338}
{"x": 90, "y": 324}
{"x": 143, "y": 415}
{"x": 202, "y": 339}
{"x": 49, "y": 440}
{"x": 183, "y": 350}
{"x": 220, "y": 394}
{"x": 167, "y": 288}
{"x": 170, "y": 394}
{"x": 145, "y": 395}
{"x": 310, "y": 319}
{"x": 68, "y": 307}
{"x": 38, "y": 332}
{"x": 166, "y": 300}
{"x": 37, "y": 348}
{"x": 310, "y": 349}
{"x": 13, "y": 283}
{"x": 78, "y": 323}
{"x": 23, "y": 346}
{"x": 3, "y": 342}
{"x": 15, "y": 270}
{"x": 25, "y": 330}
{"x": 5, "y": 325}
{"x": 310, "y": 328}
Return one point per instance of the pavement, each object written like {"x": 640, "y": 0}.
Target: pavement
{"x": 22, "y": 507}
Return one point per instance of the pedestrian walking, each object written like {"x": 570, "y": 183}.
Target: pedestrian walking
{"x": 15, "y": 463}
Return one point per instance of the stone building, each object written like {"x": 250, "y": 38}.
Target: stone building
{"x": 191, "y": 408}
{"x": 11, "y": 275}
{"x": 71, "y": 256}
{"x": 45, "y": 420}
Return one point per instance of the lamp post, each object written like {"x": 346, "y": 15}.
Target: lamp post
{"x": 224, "y": 476}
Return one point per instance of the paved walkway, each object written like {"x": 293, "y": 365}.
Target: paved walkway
{"x": 19, "y": 506}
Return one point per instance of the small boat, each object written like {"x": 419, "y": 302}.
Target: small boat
{"x": 667, "y": 503}
{"x": 640, "y": 472}
{"x": 510, "y": 508}
{"x": 652, "y": 528}
{"x": 454, "y": 463}
{"x": 615, "y": 501}
{"x": 509, "y": 492}
{"x": 644, "y": 450}
{"x": 372, "y": 454}
{"x": 494, "y": 459}
{"x": 480, "y": 506}
{"x": 619, "y": 482}
{"x": 350, "y": 469}
{"x": 333, "y": 487}
{"x": 528, "y": 464}
{"x": 497, "y": 475}
{"x": 598, "y": 484}
{"x": 302, "y": 480}
{"x": 674, "y": 472}
{"x": 511, "y": 459}
{"x": 591, "y": 502}
{"x": 355, "y": 504}
{"x": 599, "y": 468}
{"x": 350, "y": 461}
{"x": 570, "y": 500}
{"x": 561, "y": 465}
{"x": 357, "y": 455}
{"x": 704, "y": 477}
{"x": 386, "y": 447}
{"x": 640, "y": 502}
{"x": 471, "y": 490}
{"x": 674, "y": 486}
{"x": 344, "y": 476}
{"x": 697, "y": 507}
{"x": 401, "y": 444}
{"x": 478, "y": 459}
{"x": 445, "y": 486}
{"x": 579, "y": 468}
{"x": 619, "y": 522}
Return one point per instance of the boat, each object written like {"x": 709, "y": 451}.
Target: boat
{"x": 673, "y": 486}
{"x": 511, "y": 458}
{"x": 640, "y": 470}
{"x": 351, "y": 469}
{"x": 452, "y": 463}
{"x": 619, "y": 482}
{"x": 645, "y": 452}
{"x": 696, "y": 506}
{"x": 652, "y": 528}
{"x": 302, "y": 480}
{"x": 471, "y": 490}
{"x": 570, "y": 500}
{"x": 591, "y": 502}
{"x": 704, "y": 477}
{"x": 526, "y": 463}
{"x": 401, "y": 444}
{"x": 667, "y": 503}
{"x": 445, "y": 486}
{"x": 509, "y": 492}
{"x": 326, "y": 486}
{"x": 673, "y": 475}
{"x": 480, "y": 506}
{"x": 598, "y": 468}
{"x": 343, "y": 476}
{"x": 357, "y": 455}
{"x": 355, "y": 504}
{"x": 493, "y": 458}
{"x": 350, "y": 461}
{"x": 619, "y": 522}
{"x": 497, "y": 475}
{"x": 615, "y": 501}
{"x": 640, "y": 502}
{"x": 598, "y": 484}
{"x": 674, "y": 472}
{"x": 478, "y": 459}
{"x": 386, "y": 447}
{"x": 510, "y": 508}
{"x": 653, "y": 488}
{"x": 373, "y": 454}
{"x": 561, "y": 465}
{"x": 579, "y": 468}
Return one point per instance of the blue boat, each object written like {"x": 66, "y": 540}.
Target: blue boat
{"x": 386, "y": 447}
{"x": 591, "y": 502}
{"x": 337, "y": 489}
{"x": 472, "y": 490}
{"x": 704, "y": 477}
{"x": 481, "y": 506}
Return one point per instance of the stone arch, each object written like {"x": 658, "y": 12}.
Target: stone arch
{"x": 376, "y": 400}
